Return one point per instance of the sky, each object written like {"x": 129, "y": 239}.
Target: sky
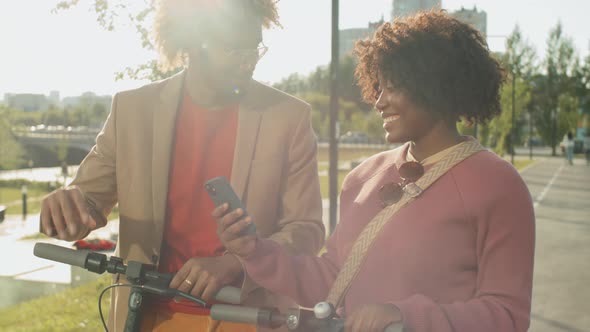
{"x": 69, "y": 52}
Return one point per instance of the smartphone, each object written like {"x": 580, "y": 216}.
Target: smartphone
{"x": 221, "y": 192}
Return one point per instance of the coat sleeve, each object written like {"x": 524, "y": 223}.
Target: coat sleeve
{"x": 96, "y": 176}
{"x": 300, "y": 227}
{"x": 505, "y": 252}
{"x": 304, "y": 278}
{"x": 301, "y": 230}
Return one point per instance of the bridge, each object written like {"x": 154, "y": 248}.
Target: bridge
{"x": 43, "y": 143}
{"x": 81, "y": 138}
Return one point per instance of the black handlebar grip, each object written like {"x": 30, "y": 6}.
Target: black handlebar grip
{"x": 61, "y": 254}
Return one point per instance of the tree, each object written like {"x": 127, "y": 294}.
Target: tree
{"x": 584, "y": 75}
{"x": 520, "y": 55}
{"x": 519, "y": 60}
{"x": 582, "y": 91}
{"x": 11, "y": 152}
{"x": 319, "y": 81}
{"x": 113, "y": 13}
{"x": 54, "y": 117}
{"x": 560, "y": 64}
{"x": 22, "y": 119}
{"x": 369, "y": 123}
{"x": 500, "y": 128}
{"x": 294, "y": 84}
{"x": 348, "y": 87}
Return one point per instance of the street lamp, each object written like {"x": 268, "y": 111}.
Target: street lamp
{"x": 24, "y": 200}
{"x": 333, "y": 171}
{"x": 512, "y": 140}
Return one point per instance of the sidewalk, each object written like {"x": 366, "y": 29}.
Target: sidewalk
{"x": 561, "y": 286}
{"x": 22, "y": 270}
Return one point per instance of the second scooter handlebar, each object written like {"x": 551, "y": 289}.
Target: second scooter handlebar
{"x": 99, "y": 263}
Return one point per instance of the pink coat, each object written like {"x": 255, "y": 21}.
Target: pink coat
{"x": 459, "y": 258}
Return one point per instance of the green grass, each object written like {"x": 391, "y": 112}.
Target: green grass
{"x": 73, "y": 310}
{"x": 325, "y": 184}
{"x": 12, "y": 199}
{"x": 36, "y": 236}
{"x": 344, "y": 155}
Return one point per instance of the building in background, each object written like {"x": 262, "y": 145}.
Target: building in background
{"x": 403, "y": 8}
{"x": 28, "y": 102}
{"x": 348, "y": 37}
{"x": 88, "y": 100}
{"x": 479, "y": 19}
{"x": 54, "y": 98}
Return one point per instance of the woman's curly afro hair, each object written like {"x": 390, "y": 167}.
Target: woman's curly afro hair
{"x": 440, "y": 63}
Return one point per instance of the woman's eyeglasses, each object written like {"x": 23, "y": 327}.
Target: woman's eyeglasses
{"x": 409, "y": 172}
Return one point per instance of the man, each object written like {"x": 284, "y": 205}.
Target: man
{"x": 162, "y": 141}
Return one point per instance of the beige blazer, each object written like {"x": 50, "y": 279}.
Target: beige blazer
{"x": 274, "y": 172}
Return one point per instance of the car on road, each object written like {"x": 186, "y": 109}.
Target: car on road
{"x": 354, "y": 137}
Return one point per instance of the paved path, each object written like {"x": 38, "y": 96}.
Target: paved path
{"x": 561, "y": 289}
{"x": 24, "y": 276}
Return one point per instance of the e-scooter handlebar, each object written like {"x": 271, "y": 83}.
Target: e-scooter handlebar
{"x": 98, "y": 263}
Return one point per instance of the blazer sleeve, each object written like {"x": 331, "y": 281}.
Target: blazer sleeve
{"x": 300, "y": 227}
{"x": 301, "y": 230}
{"x": 96, "y": 176}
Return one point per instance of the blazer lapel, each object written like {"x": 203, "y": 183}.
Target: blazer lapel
{"x": 163, "y": 138}
{"x": 249, "y": 119}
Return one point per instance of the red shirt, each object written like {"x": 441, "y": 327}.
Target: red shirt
{"x": 203, "y": 149}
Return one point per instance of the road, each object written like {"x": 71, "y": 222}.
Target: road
{"x": 561, "y": 289}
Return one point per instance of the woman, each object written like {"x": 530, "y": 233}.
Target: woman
{"x": 587, "y": 146}
{"x": 457, "y": 258}
{"x": 568, "y": 143}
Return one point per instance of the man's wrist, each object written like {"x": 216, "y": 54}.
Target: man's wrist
{"x": 397, "y": 325}
{"x": 234, "y": 263}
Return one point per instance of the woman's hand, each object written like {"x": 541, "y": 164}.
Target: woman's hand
{"x": 230, "y": 230}
{"x": 373, "y": 318}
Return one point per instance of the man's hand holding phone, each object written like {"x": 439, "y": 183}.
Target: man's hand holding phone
{"x": 232, "y": 231}
{"x": 235, "y": 228}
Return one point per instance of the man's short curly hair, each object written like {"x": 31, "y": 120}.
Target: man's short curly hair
{"x": 440, "y": 63}
{"x": 181, "y": 23}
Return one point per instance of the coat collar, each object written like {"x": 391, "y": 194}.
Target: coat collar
{"x": 164, "y": 122}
